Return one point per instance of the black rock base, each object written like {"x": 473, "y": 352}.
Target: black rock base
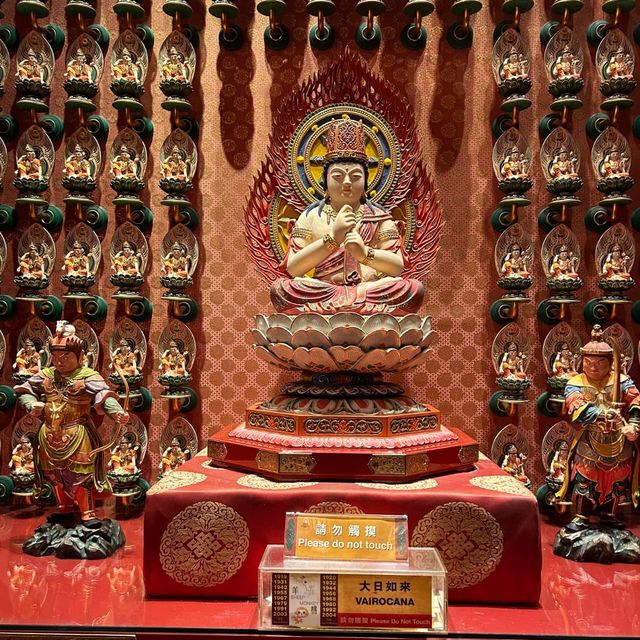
{"x": 598, "y": 543}
{"x": 93, "y": 540}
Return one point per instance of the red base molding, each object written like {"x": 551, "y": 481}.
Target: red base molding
{"x": 288, "y": 457}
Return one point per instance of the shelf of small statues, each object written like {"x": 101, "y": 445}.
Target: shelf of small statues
{"x": 178, "y": 160}
{"x": 35, "y": 157}
{"x": 84, "y": 66}
{"x": 129, "y": 8}
{"x": 511, "y": 61}
{"x": 128, "y": 161}
{"x": 511, "y": 354}
{"x": 82, "y": 8}
{"x": 35, "y": 63}
{"x": 177, "y": 347}
{"x": 177, "y": 60}
{"x": 176, "y": 8}
{"x": 123, "y": 469}
{"x": 513, "y": 254}
{"x": 129, "y": 66}
{"x": 560, "y": 255}
{"x": 179, "y": 253}
{"x": 511, "y": 160}
{"x": 127, "y": 356}
{"x": 615, "y": 61}
{"x": 231, "y": 36}
{"x": 36, "y": 258}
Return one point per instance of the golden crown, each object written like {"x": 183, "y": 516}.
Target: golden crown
{"x": 346, "y": 139}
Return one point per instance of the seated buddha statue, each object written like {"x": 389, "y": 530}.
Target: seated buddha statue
{"x": 30, "y": 68}
{"x": 78, "y": 67}
{"x": 124, "y": 68}
{"x": 616, "y": 264}
{"x": 174, "y": 68}
{"x": 177, "y": 263}
{"x": 31, "y": 263}
{"x": 28, "y": 359}
{"x": 22, "y": 458}
{"x": 175, "y": 166}
{"x": 345, "y": 253}
{"x": 77, "y": 165}
{"x": 564, "y": 264}
{"x": 125, "y": 359}
{"x": 126, "y": 261}
{"x": 28, "y": 165}
{"x": 123, "y": 458}
{"x": 566, "y": 65}
{"x": 125, "y": 164}
{"x": 76, "y": 261}
{"x": 564, "y": 164}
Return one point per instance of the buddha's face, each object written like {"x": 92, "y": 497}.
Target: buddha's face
{"x": 65, "y": 362}
{"x": 31, "y": 155}
{"x": 80, "y": 57}
{"x": 124, "y": 348}
{"x": 564, "y": 255}
{"x": 125, "y": 155}
{"x": 515, "y": 251}
{"x": 513, "y": 350}
{"x": 345, "y": 181}
{"x": 596, "y": 367}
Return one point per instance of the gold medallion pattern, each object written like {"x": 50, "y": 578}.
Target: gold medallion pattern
{"x": 175, "y": 480}
{"x": 468, "y": 538}
{"x": 502, "y": 484}
{"x": 204, "y": 545}
{"x": 258, "y": 482}
{"x": 333, "y": 507}
{"x": 427, "y": 483}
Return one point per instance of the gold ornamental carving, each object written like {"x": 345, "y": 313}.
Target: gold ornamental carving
{"x": 296, "y": 463}
{"x": 418, "y": 485}
{"x": 217, "y": 450}
{"x": 204, "y": 545}
{"x": 258, "y": 482}
{"x": 175, "y": 480}
{"x": 271, "y": 423}
{"x": 388, "y": 465}
{"x": 343, "y": 426}
{"x": 502, "y": 484}
{"x": 333, "y": 507}
{"x": 468, "y": 538}
{"x": 408, "y": 425}
{"x": 469, "y": 453}
{"x": 267, "y": 460}
{"x": 417, "y": 463}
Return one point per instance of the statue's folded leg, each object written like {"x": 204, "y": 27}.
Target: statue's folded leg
{"x": 299, "y": 294}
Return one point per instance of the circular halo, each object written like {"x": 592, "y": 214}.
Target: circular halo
{"x": 306, "y": 151}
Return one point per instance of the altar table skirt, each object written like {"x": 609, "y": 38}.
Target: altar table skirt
{"x": 205, "y": 528}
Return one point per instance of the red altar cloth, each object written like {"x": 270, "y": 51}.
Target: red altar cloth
{"x": 205, "y": 529}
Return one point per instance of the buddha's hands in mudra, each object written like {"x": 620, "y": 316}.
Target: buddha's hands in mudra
{"x": 355, "y": 245}
{"x": 344, "y": 223}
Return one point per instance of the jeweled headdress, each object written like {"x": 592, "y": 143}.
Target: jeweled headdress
{"x": 346, "y": 140}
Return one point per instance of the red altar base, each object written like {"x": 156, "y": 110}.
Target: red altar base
{"x": 206, "y": 533}
{"x": 70, "y": 597}
{"x": 380, "y": 448}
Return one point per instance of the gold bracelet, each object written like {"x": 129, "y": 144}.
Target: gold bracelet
{"x": 371, "y": 254}
{"x": 330, "y": 242}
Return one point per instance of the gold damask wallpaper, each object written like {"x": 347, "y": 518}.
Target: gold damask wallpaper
{"x": 235, "y": 96}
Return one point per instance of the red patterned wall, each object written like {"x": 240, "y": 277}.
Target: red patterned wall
{"x": 236, "y": 93}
